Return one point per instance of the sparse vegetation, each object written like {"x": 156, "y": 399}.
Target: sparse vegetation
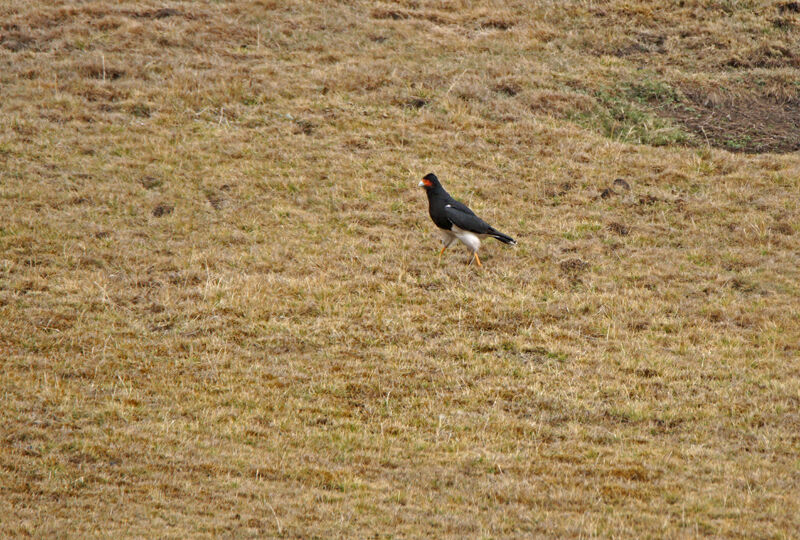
{"x": 625, "y": 118}
{"x": 221, "y": 312}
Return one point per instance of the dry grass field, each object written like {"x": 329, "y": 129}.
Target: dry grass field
{"x": 221, "y": 312}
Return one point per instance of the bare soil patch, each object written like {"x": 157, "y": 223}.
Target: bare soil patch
{"x": 744, "y": 122}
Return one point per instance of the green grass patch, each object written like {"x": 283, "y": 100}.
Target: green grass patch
{"x": 628, "y": 113}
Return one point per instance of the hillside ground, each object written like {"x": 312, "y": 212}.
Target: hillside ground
{"x": 221, "y": 311}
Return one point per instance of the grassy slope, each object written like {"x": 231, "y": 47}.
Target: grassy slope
{"x": 280, "y": 353}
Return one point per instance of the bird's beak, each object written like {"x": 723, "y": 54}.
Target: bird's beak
{"x": 421, "y": 184}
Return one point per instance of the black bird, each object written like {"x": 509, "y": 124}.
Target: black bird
{"x": 456, "y": 220}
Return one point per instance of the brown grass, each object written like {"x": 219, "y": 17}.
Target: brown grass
{"x": 221, "y": 312}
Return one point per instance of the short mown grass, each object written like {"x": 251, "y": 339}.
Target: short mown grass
{"x": 221, "y": 311}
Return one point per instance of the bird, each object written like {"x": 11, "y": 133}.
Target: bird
{"x": 455, "y": 219}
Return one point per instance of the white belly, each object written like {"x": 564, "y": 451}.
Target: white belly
{"x": 469, "y": 239}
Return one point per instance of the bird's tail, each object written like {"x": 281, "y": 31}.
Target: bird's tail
{"x": 494, "y": 233}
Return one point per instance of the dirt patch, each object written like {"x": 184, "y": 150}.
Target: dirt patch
{"x": 745, "y": 57}
{"x": 163, "y": 210}
{"x": 740, "y": 114}
{"x": 744, "y": 122}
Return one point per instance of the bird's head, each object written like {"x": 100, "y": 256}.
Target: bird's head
{"x": 429, "y": 181}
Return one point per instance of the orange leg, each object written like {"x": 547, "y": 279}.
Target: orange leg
{"x": 440, "y": 253}
{"x": 477, "y": 259}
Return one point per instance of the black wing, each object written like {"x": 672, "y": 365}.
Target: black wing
{"x": 464, "y": 218}
{"x": 458, "y": 205}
